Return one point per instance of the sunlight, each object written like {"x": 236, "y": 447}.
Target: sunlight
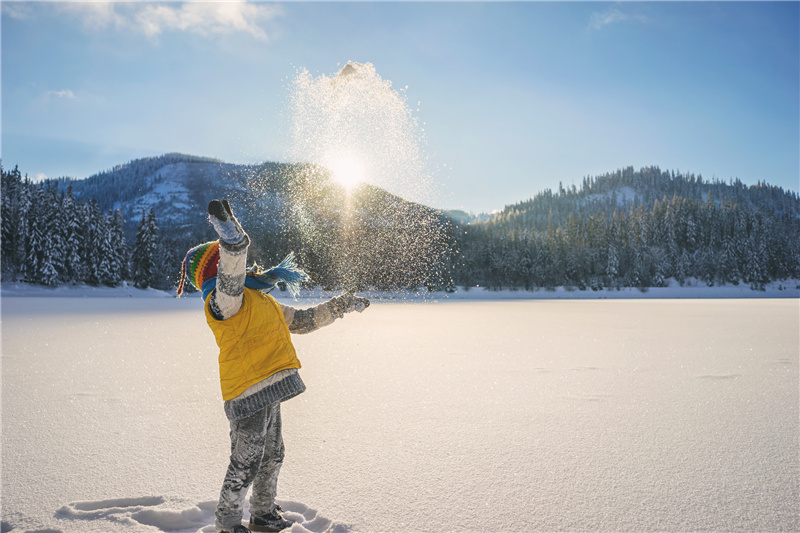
{"x": 348, "y": 171}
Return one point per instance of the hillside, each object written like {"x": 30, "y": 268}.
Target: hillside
{"x": 627, "y": 187}
{"x": 636, "y": 228}
{"x": 623, "y": 229}
{"x": 365, "y": 237}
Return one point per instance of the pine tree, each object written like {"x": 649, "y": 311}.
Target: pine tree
{"x": 73, "y": 238}
{"x": 92, "y": 252}
{"x": 145, "y": 250}
{"x": 660, "y": 265}
{"x": 35, "y": 238}
{"x": 120, "y": 252}
{"x": 159, "y": 254}
{"x": 106, "y": 264}
{"x": 51, "y": 253}
{"x": 612, "y": 267}
{"x": 12, "y": 241}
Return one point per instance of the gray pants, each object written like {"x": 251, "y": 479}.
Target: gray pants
{"x": 256, "y": 457}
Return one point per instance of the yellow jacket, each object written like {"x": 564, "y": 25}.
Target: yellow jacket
{"x": 253, "y": 344}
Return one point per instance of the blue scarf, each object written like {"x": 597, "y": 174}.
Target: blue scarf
{"x": 265, "y": 280}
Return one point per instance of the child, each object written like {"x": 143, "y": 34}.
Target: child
{"x": 257, "y": 362}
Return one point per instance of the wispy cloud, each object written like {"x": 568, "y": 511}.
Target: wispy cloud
{"x": 613, "y": 15}
{"x": 153, "y": 19}
{"x": 16, "y": 10}
{"x": 66, "y": 93}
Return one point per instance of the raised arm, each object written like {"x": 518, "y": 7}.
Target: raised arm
{"x": 233, "y": 243}
{"x": 313, "y": 318}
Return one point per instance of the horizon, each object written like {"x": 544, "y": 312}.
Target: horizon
{"x": 443, "y": 209}
{"x": 520, "y": 96}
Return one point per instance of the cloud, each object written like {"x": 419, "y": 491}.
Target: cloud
{"x": 613, "y": 15}
{"x": 68, "y": 94}
{"x": 16, "y": 10}
{"x": 153, "y": 19}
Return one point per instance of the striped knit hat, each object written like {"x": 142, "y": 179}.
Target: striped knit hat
{"x": 199, "y": 265}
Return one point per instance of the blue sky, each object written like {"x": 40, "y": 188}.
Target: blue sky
{"x": 514, "y": 97}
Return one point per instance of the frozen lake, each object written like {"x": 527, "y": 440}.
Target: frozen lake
{"x": 615, "y": 415}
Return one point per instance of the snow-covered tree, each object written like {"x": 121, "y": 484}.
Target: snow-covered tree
{"x": 119, "y": 247}
{"x": 145, "y": 251}
{"x": 74, "y": 264}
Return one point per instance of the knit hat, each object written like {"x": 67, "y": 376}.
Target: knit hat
{"x": 199, "y": 265}
{"x": 200, "y": 268}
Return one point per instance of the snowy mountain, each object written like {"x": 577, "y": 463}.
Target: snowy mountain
{"x": 636, "y": 228}
{"x": 175, "y": 186}
{"x": 627, "y": 228}
{"x": 283, "y": 207}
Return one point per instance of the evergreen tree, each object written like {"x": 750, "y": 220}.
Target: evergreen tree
{"x": 612, "y": 267}
{"x": 32, "y": 266}
{"x": 106, "y": 260}
{"x": 52, "y": 248}
{"x": 13, "y": 236}
{"x": 92, "y": 243}
{"x": 72, "y": 238}
{"x": 144, "y": 252}
{"x": 119, "y": 247}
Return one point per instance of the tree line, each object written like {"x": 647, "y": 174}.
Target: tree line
{"x": 591, "y": 238}
{"x": 53, "y": 238}
{"x": 624, "y": 229}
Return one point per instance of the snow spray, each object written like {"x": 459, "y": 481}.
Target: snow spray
{"x": 362, "y": 129}
{"x": 358, "y": 208}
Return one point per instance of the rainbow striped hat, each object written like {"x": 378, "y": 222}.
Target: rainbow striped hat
{"x": 199, "y": 265}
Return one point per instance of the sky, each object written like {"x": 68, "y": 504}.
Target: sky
{"x": 513, "y": 97}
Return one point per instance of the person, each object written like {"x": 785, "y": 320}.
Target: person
{"x": 258, "y": 364}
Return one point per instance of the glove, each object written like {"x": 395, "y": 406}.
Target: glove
{"x": 359, "y": 304}
{"x": 346, "y": 303}
{"x": 221, "y": 217}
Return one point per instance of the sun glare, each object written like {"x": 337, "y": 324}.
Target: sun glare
{"x": 348, "y": 171}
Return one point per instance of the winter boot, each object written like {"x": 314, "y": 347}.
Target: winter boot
{"x": 271, "y": 522}
{"x": 237, "y": 529}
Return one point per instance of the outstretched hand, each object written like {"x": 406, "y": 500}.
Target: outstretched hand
{"x": 360, "y": 303}
{"x": 355, "y": 303}
{"x": 347, "y": 303}
{"x": 220, "y": 215}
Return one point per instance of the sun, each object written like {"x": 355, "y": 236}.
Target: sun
{"x": 349, "y": 171}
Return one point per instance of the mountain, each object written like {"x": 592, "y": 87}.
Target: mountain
{"x": 630, "y": 227}
{"x": 363, "y": 237}
{"x": 636, "y": 228}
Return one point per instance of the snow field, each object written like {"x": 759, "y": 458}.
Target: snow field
{"x": 162, "y": 515}
{"x": 692, "y": 289}
{"x": 615, "y": 415}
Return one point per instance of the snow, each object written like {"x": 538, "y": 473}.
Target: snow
{"x": 475, "y": 414}
{"x": 625, "y": 195}
{"x": 691, "y": 288}
{"x": 125, "y": 290}
{"x": 169, "y": 195}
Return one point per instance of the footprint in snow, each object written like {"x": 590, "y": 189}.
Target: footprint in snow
{"x": 178, "y": 516}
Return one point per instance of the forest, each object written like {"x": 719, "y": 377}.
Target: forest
{"x": 52, "y": 239}
{"x": 629, "y": 228}
{"x": 636, "y": 229}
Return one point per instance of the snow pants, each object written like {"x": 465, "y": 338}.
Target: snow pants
{"x": 256, "y": 458}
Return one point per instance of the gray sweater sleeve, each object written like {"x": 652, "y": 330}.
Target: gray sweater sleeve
{"x": 313, "y": 318}
{"x": 226, "y": 299}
